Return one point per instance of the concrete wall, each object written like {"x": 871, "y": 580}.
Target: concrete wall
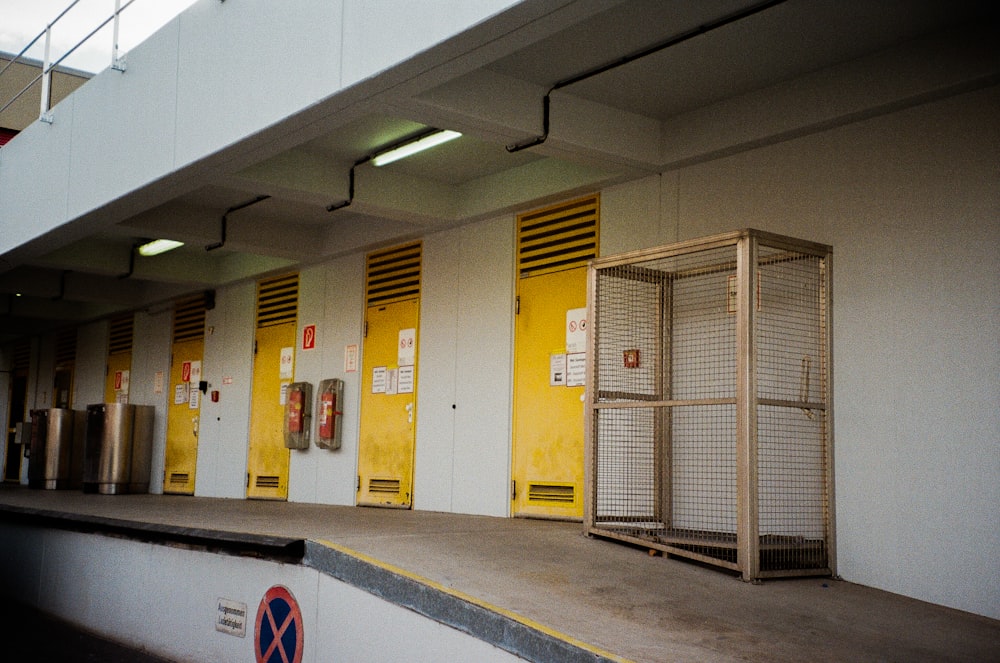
{"x": 165, "y": 600}
{"x": 202, "y": 57}
{"x": 910, "y": 203}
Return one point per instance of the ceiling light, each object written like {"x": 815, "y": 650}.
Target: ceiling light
{"x": 411, "y": 148}
{"x": 158, "y": 246}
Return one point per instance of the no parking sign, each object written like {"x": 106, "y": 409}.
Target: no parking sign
{"x": 278, "y": 634}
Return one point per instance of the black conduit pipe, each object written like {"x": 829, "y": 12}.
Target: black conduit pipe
{"x": 655, "y": 48}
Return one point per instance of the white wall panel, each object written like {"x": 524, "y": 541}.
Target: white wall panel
{"x": 91, "y": 362}
{"x": 379, "y": 35}
{"x": 228, "y": 367}
{"x": 435, "y": 466}
{"x": 246, "y": 65}
{"x": 34, "y": 173}
{"x": 330, "y": 297}
{"x": 485, "y": 360}
{"x": 463, "y": 417}
{"x": 123, "y": 125}
{"x": 151, "y": 355}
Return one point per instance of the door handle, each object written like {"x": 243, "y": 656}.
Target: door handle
{"x": 409, "y": 413}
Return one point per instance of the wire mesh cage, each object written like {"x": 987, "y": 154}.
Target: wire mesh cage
{"x": 709, "y": 421}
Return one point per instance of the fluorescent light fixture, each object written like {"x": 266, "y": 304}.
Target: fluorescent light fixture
{"x": 158, "y": 246}
{"x": 419, "y": 145}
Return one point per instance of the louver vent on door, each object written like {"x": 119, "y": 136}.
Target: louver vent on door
{"x": 558, "y": 237}
{"x": 121, "y": 335}
{"x": 383, "y": 486}
{"x": 393, "y": 275}
{"x": 22, "y": 356}
{"x": 66, "y": 347}
{"x": 551, "y": 493}
{"x": 277, "y": 300}
{"x": 180, "y": 478}
{"x": 189, "y": 319}
{"x": 267, "y": 481}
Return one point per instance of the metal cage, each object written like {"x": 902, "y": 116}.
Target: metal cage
{"x": 709, "y": 417}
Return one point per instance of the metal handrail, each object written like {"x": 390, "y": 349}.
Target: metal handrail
{"x": 48, "y": 67}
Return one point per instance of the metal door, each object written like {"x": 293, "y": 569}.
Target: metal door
{"x": 389, "y": 381}
{"x": 16, "y": 411}
{"x": 554, "y": 246}
{"x": 184, "y": 397}
{"x": 273, "y": 371}
{"x": 119, "y": 365}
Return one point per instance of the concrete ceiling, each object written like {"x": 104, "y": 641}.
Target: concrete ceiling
{"x": 606, "y": 128}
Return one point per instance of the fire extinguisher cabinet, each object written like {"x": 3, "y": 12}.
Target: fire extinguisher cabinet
{"x": 709, "y": 427}
{"x": 118, "y": 448}
{"x": 329, "y": 408}
{"x": 298, "y": 415}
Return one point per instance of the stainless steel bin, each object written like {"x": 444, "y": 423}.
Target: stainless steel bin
{"x": 118, "y": 448}
{"x": 58, "y": 448}
{"x": 36, "y": 448}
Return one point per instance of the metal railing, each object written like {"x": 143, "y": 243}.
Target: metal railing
{"x": 45, "y": 75}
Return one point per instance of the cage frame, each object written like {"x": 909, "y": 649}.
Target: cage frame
{"x": 747, "y": 400}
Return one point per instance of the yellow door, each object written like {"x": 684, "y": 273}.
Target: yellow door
{"x": 273, "y": 370}
{"x": 388, "y": 406}
{"x": 267, "y": 461}
{"x": 183, "y": 418}
{"x": 116, "y": 385}
{"x": 389, "y": 377}
{"x": 184, "y": 396}
{"x": 554, "y": 247}
{"x": 548, "y": 414}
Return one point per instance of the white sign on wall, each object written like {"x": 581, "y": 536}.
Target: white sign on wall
{"x": 576, "y": 330}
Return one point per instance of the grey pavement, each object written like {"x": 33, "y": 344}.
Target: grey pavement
{"x": 612, "y": 596}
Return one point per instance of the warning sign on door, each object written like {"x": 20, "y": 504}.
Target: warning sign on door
{"x": 576, "y": 330}
{"x": 407, "y": 347}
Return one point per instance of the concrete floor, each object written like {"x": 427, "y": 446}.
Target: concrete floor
{"x": 611, "y": 596}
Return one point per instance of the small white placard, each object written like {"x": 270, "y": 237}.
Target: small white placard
{"x": 194, "y": 397}
{"x": 231, "y": 618}
{"x": 283, "y": 398}
{"x": 557, "y": 370}
{"x": 405, "y": 380}
{"x": 196, "y": 372}
{"x": 392, "y": 381}
{"x": 407, "y": 347}
{"x": 378, "y": 379}
{"x": 158, "y": 382}
{"x": 351, "y": 358}
{"x": 576, "y": 369}
{"x": 180, "y": 393}
{"x": 576, "y": 330}
{"x": 287, "y": 366}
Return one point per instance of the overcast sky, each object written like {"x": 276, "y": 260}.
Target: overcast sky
{"x": 22, "y": 20}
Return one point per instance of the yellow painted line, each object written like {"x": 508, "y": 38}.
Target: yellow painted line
{"x": 473, "y": 600}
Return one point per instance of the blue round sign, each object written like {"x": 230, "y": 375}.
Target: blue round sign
{"x": 278, "y": 634}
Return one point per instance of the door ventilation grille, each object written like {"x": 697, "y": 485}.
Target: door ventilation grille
{"x": 559, "y": 237}
{"x": 393, "y": 275}
{"x": 384, "y": 486}
{"x": 66, "y": 347}
{"x": 551, "y": 493}
{"x": 22, "y": 356}
{"x": 267, "y": 481}
{"x": 189, "y": 319}
{"x": 121, "y": 335}
{"x": 179, "y": 478}
{"x": 277, "y": 300}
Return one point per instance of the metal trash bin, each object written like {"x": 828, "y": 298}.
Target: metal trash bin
{"x": 36, "y": 448}
{"x": 118, "y": 448}
{"x": 50, "y": 460}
